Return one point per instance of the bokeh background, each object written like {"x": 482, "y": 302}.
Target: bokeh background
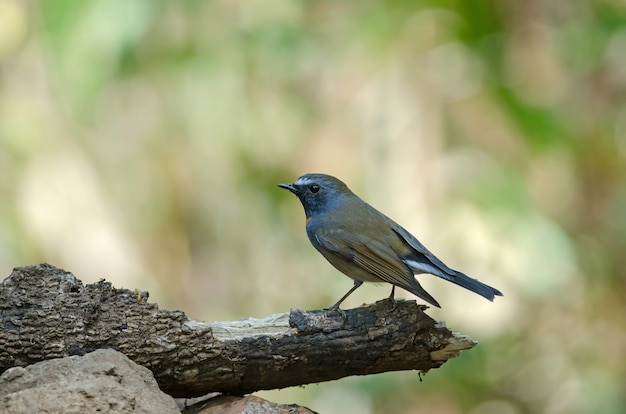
{"x": 141, "y": 141}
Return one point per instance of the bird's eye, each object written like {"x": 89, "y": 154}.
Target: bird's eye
{"x": 314, "y": 188}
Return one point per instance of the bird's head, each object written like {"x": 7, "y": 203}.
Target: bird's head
{"x": 319, "y": 193}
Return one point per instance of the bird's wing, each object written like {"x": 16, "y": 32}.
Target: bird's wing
{"x": 374, "y": 261}
{"x": 370, "y": 255}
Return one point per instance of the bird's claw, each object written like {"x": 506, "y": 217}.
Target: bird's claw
{"x": 392, "y": 298}
{"x": 336, "y": 309}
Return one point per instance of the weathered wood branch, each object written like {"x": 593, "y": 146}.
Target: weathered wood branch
{"x": 47, "y": 313}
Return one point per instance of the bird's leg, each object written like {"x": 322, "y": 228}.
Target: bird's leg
{"x": 393, "y": 299}
{"x": 357, "y": 283}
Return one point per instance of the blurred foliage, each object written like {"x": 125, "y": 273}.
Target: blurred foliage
{"x": 141, "y": 141}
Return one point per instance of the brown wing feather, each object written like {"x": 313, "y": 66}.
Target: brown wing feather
{"x": 383, "y": 262}
{"x": 362, "y": 258}
{"x": 369, "y": 255}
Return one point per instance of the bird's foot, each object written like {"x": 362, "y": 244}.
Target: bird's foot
{"x": 335, "y": 308}
{"x": 394, "y": 302}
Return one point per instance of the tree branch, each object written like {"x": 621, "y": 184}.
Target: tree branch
{"x": 47, "y": 313}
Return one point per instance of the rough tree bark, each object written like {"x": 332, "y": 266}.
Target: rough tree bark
{"x": 47, "y": 313}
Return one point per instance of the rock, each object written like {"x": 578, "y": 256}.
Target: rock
{"x": 103, "y": 381}
{"x": 249, "y": 404}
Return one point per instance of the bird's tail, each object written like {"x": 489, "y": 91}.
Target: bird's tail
{"x": 474, "y": 285}
{"x": 420, "y": 265}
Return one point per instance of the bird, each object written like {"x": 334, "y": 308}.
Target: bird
{"x": 366, "y": 245}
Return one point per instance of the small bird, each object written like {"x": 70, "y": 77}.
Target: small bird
{"x": 366, "y": 245}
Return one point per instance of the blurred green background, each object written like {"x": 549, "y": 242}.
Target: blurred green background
{"x": 141, "y": 141}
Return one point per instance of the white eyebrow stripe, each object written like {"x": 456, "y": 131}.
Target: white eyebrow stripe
{"x": 303, "y": 181}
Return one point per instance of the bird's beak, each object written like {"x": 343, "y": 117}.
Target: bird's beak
{"x": 289, "y": 187}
